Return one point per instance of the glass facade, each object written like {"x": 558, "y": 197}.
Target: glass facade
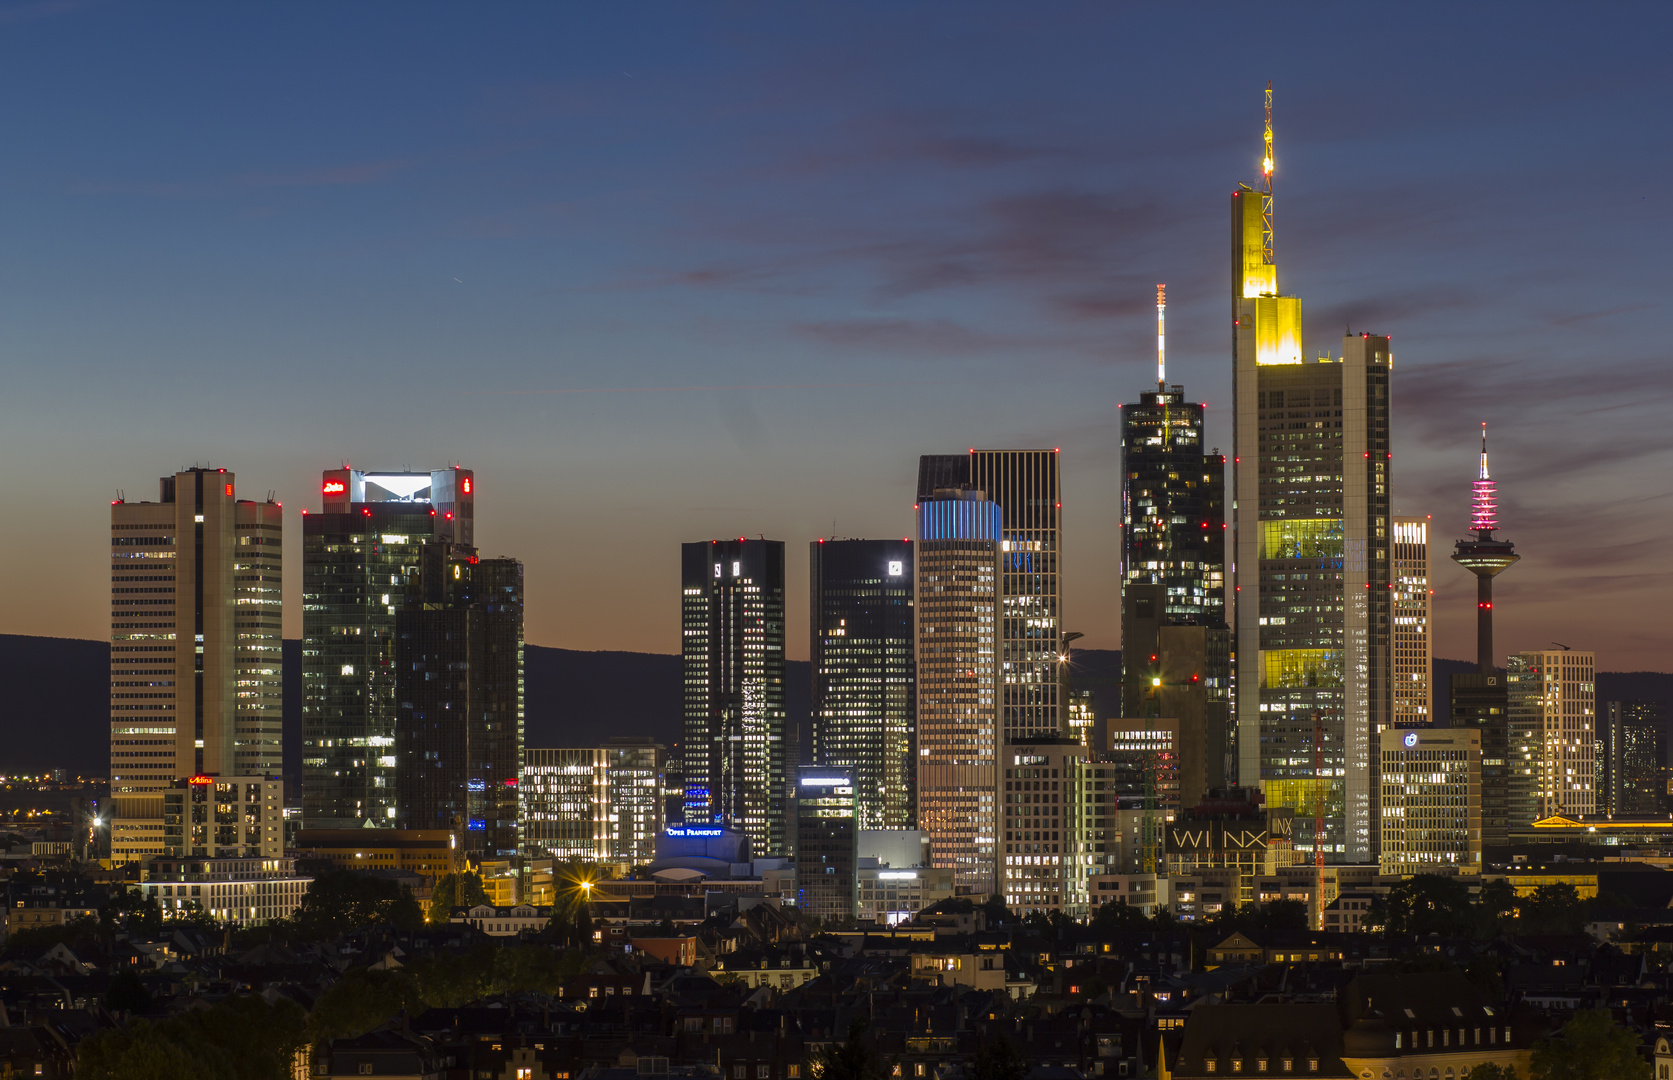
{"x": 827, "y": 853}
{"x": 459, "y": 692}
{"x": 1044, "y": 863}
{"x": 357, "y": 556}
{"x": 1553, "y": 735}
{"x": 600, "y": 804}
{"x": 1413, "y": 693}
{"x": 1173, "y": 515}
{"x": 1630, "y": 753}
{"x": 738, "y": 745}
{"x": 864, "y": 673}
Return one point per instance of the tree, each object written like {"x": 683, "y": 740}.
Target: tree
{"x": 998, "y": 1059}
{"x": 1552, "y": 909}
{"x": 1428, "y": 904}
{"x": 1489, "y": 1071}
{"x": 361, "y": 1000}
{"x": 1497, "y": 901}
{"x": 1115, "y": 916}
{"x": 1591, "y": 1046}
{"x": 241, "y": 1038}
{"x": 343, "y": 900}
{"x": 139, "y": 1051}
{"x": 855, "y": 1059}
{"x": 456, "y": 890}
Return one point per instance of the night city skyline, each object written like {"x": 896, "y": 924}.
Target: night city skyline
{"x": 661, "y": 280}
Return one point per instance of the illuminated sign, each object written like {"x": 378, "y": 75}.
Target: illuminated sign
{"x": 466, "y": 486}
{"x": 1411, "y": 738}
{"x": 679, "y": 830}
{"x": 477, "y": 824}
{"x": 475, "y": 785}
{"x": 897, "y": 875}
{"x": 896, "y": 567}
{"x": 335, "y": 487}
{"x": 397, "y": 487}
{"x": 511, "y": 782}
{"x": 200, "y": 779}
{"x": 825, "y": 781}
{"x": 229, "y": 491}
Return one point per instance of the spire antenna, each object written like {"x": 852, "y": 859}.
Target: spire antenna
{"x": 1161, "y": 339}
{"x": 1484, "y": 511}
{"x": 1266, "y": 188}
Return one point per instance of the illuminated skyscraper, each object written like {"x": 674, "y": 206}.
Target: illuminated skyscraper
{"x": 459, "y": 688}
{"x": 738, "y": 747}
{"x": 958, "y": 618}
{"x": 195, "y": 646}
{"x": 356, "y": 558}
{"x": 1025, "y": 484}
{"x": 1631, "y": 747}
{"x": 864, "y": 673}
{"x": 1173, "y": 500}
{"x": 1553, "y": 734}
{"x": 1313, "y": 548}
{"x": 1413, "y": 696}
{"x": 1431, "y": 801}
{"x": 827, "y": 842}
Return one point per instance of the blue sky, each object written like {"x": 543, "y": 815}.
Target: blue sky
{"x": 276, "y": 238}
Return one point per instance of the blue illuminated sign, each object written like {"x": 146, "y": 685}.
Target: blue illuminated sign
{"x": 676, "y": 830}
{"x": 1411, "y": 738}
{"x": 477, "y": 824}
{"x": 476, "y": 785}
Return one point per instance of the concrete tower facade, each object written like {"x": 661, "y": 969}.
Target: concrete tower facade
{"x": 1413, "y": 651}
{"x": 195, "y": 646}
{"x": 958, "y": 609}
{"x": 1553, "y": 734}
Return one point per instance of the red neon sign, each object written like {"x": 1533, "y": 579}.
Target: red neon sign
{"x": 467, "y": 485}
{"x": 229, "y": 491}
{"x": 335, "y": 487}
{"x": 200, "y": 779}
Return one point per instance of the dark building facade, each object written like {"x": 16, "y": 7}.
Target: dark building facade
{"x": 827, "y": 842}
{"x": 357, "y": 555}
{"x": 1631, "y": 750}
{"x": 1482, "y": 702}
{"x": 1183, "y": 673}
{"x": 1173, "y": 508}
{"x": 865, "y": 673}
{"x": 738, "y": 747}
{"x": 459, "y": 689}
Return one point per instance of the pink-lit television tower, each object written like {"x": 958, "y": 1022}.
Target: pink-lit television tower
{"x": 1484, "y": 556}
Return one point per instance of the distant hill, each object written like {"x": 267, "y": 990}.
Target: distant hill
{"x": 56, "y": 708}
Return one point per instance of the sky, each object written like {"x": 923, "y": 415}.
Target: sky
{"x": 662, "y": 273}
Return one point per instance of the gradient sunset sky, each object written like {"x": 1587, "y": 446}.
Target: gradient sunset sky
{"x": 670, "y": 272}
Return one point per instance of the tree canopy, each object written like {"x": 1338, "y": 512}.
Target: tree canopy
{"x": 342, "y": 900}
{"x": 241, "y": 1038}
{"x": 1591, "y": 1046}
{"x": 456, "y": 890}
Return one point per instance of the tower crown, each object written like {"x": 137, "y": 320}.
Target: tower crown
{"x": 1484, "y": 503}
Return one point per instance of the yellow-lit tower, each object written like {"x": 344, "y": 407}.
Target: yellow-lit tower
{"x": 1312, "y": 543}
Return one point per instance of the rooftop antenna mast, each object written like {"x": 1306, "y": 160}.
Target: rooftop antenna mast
{"x": 1161, "y": 339}
{"x": 1266, "y": 187}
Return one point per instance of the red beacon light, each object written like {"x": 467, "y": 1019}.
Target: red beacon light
{"x": 450, "y": 515}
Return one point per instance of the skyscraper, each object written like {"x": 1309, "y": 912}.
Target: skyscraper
{"x": 1026, "y": 486}
{"x": 1173, "y": 493}
{"x": 459, "y": 694}
{"x": 1044, "y": 865}
{"x": 827, "y": 838}
{"x": 958, "y": 619}
{"x": 1631, "y": 750}
{"x": 1413, "y": 696}
{"x": 1313, "y": 574}
{"x": 1180, "y": 672}
{"x": 864, "y": 673}
{"x": 1478, "y": 699}
{"x": 1553, "y": 734}
{"x": 356, "y": 557}
{"x": 195, "y": 646}
{"x": 738, "y": 747}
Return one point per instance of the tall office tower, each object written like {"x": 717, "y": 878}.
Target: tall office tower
{"x": 1173, "y": 503}
{"x": 827, "y": 839}
{"x": 1478, "y": 699}
{"x": 194, "y": 655}
{"x": 1025, "y": 484}
{"x": 958, "y": 609}
{"x": 739, "y": 749}
{"x": 1413, "y": 655}
{"x": 1553, "y": 734}
{"x": 1044, "y": 866}
{"x": 459, "y": 693}
{"x": 1312, "y": 542}
{"x": 1631, "y": 750}
{"x": 601, "y": 804}
{"x": 864, "y": 673}
{"x": 1081, "y": 715}
{"x": 356, "y": 557}
{"x": 1180, "y": 672}
{"x": 1431, "y": 802}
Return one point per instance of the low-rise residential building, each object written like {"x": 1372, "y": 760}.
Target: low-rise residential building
{"x": 432, "y": 852}
{"x": 503, "y": 921}
{"x": 891, "y": 896}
